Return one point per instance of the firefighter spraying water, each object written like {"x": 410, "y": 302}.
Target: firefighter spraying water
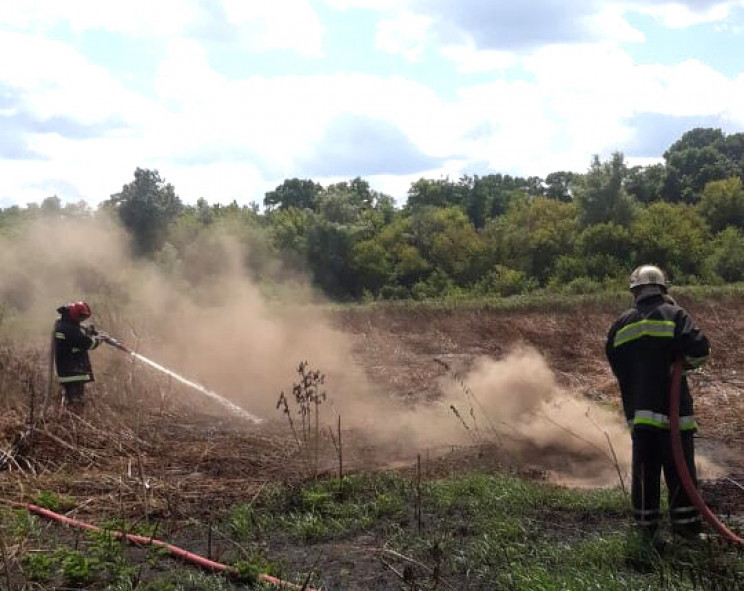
{"x": 70, "y": 345}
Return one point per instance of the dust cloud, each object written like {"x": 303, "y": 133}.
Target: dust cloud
{"x": 202, "y": 316}
{"x": 516, "y": 404}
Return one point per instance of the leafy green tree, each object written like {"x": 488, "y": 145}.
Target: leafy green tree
{"x": 531, "y": 236}
{"x": 674, "y": 236}
{"x": 371, "y": 263}
{"x": 297, "y": 193}
{"x": 558, "y": 185}
{"x": 51, "y": 206}
{"x": 504, "y": 282}
{"x": 733, "y": 148}
{"x": 645, "y": 183}
{"x": 329, "y": 257}
{"x": 436, "y": 193}
{"x": 489, "y": 196}
{"x": 448, "y": 240}
{"x": 693, "y": 161}
{"x": 204, "y": 212}
{"x": 607, "y": 239}
{"x": 341, "y": 204}
{"x": 600, "y": 195}
{"x": 437, "y": 285}
{"x": 146, "y": 207}
{"x": 722, "y": 204}
{"x": 409, "y": 266}
{"x": 361, "y": 193}
{"x": 289, "y": 230}
{"x": 727, "y": 256}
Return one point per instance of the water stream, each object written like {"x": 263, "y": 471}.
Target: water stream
{"x": 234, "y": 408}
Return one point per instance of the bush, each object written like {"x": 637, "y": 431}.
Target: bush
{"x": 727, "y": 258}
{"x": 394, "y": 292}
{"x": 504, "y": 282}
{"x": 583, "y": 285}
{"x": 37, "y": 567}
{"x": 437, "y": 285}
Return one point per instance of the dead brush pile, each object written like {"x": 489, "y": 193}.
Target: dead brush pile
{"x": 40, "y": 441}
{"x": 21, "y": 383}
{"x": 142, "y": 446}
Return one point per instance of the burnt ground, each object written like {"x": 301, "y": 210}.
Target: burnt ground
{"x": 188, "y": 463}
{"x": 400, "y": 348}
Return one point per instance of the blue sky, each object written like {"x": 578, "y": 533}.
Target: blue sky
{"x": 227, "y": 98}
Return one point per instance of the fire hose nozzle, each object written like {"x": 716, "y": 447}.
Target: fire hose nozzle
{"x": 109, "y": 340}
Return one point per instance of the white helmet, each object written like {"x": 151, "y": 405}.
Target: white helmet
{"x": 647, "y": 275}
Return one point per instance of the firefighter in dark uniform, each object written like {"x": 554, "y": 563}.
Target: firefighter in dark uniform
{"x": 72, "y": 341}
{"x": 642, "y": 346}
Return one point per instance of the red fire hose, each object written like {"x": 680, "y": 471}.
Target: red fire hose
{"x": 205, "y": 563}
{"x": 679, "y": 460}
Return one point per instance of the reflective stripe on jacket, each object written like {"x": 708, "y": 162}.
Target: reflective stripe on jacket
{"x": 641, "y": 348}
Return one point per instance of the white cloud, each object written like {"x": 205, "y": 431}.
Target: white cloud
{"x": 379, "y": 5}
{"x": 680, "y": 15}
{"x": 688, "y": 88}
{"x": 55, "y": 80}
{"x": 611, "y": 24}
{"x": 278, "y": 24}
{"x": 259, "y": 26}
{"x": 470, "y": 60}
{"x": 135, "y": 17}
{"x": 405, "y": 35}
{"x": 549, "y": 107}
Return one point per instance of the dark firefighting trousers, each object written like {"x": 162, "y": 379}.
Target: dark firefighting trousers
{"x": 74, "y": 396}
{"x": 652, "y": 453}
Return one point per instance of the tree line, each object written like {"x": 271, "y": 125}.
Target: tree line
{"x": 478, "y": 235}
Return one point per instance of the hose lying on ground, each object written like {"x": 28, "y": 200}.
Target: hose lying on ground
{"x": 190, "y": 557}
{"x": 679, "y": 460}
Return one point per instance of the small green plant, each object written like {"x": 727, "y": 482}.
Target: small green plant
{"x": 315, "y": 500}
{"x": 38, "y": 567}
{"x": 386, "y": 504}
{"x": 246, "y": 572}
{"x": 77, "y": 569}
{"x": 108, "y": 553}
{"x": 26, "y": 525}
{"x": 310, "y": 526}
{"x": 54, "y": 502}
{"x": 241, "y": 522}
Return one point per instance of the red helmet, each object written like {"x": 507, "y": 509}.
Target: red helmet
{"x": 78, "y": 311}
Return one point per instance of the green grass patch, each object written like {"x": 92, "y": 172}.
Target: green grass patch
{"x": 547, "y": 300}
{"x": 475, "y": 531}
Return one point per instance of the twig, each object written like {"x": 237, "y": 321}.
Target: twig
{"x": 415, "y": 562}
{"x": 418, "y": 492}
{"x": 617, "y": 465}
{"x": 732, "y": 481}
{"x": 394, "y": 570}
{"x": 456, "y": 412}
{"x": 616, "y": 462}
{"x": 258, "y": 492}
{"x": 574, "y": 434}
{"x": 69, "y": 446}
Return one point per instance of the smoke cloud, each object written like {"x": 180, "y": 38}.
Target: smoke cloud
{"x": 202, "y": 316}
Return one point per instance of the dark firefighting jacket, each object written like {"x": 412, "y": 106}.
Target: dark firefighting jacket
{"x": 71, "y": 346}
{"x": 641, "y": 347}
